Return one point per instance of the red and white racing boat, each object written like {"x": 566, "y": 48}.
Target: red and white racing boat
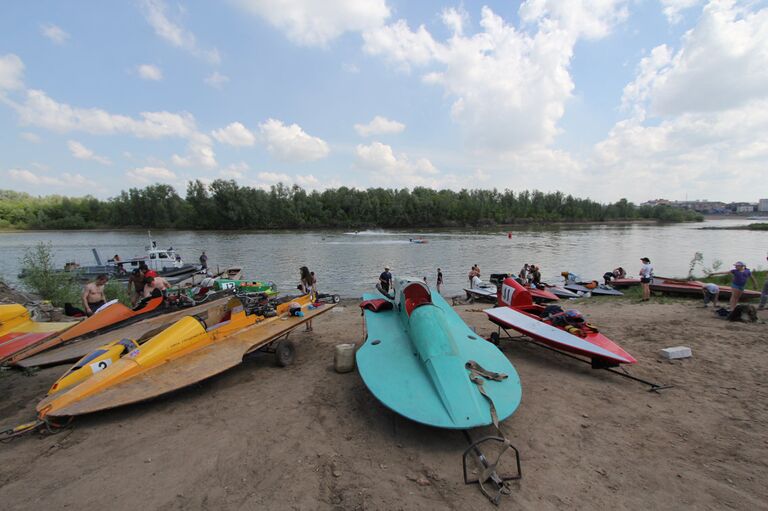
{"x": 564, "y": 330}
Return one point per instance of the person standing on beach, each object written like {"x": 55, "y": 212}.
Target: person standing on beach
{"x": 740, "y": 275}
{"x": 135, "y": 285}
{"x": 93, "y": 294}
{"x": 646, "y": 275}
{"x": 307, "y": 287}
{"x": 439, "y": 280}
{"x": 385, "y": 279}
{"x": 203, "y": 261}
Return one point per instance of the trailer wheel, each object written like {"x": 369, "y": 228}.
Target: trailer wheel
{"x": 285, "y": 352}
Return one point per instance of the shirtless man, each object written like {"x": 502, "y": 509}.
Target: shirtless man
{"x": 151, "y": 283}
{"x": 93, "y": 294}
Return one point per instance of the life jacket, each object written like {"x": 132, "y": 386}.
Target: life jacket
{"x": 376, "y": 305}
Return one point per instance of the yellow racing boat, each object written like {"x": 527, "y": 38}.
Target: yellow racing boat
{"x": 192, "y": 349}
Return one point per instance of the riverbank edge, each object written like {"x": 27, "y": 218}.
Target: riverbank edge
{"x": 496, "y": 227}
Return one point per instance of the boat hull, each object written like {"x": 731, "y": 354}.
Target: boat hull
{"x": 429, "y": 356}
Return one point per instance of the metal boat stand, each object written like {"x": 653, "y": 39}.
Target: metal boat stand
{"x": 492, "y": 484}
{"x": 595, "y": 364}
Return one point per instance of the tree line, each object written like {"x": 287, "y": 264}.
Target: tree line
{"x": 223, "y": 204}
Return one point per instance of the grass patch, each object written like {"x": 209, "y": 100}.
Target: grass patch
{"x": 751, "y": 227}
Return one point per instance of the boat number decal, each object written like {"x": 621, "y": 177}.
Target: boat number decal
{"x": 133, "y": 353}
{"x": 100, "y": 365}
{"x": 228, "y": 285}
{"x": 506, "y": 293}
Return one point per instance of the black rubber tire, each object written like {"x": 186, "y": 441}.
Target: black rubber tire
{"x": 285, "y": 353}
{"x": 495, "y": 339}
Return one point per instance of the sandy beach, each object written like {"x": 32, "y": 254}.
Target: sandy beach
{"x": 305, "y": 437}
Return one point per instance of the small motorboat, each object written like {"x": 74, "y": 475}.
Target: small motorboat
{"x": 540, "y": 294}
{"x": 76, "y": 349}
{"x": 419, "y": 241}
{"x": 18, "y": 330}
{"x": 551, "y": 325}
{"x": 594, "y": 288}
{"x": 417, "y": 336}
{"x": 694, "y": 288}
{"x": 624, "y": 283}
{"x": 110, "y": 315}
{"x": 191, "y": 350}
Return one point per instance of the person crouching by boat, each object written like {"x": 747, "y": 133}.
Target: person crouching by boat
{"x": 152, "y": 283}
{"x": 307, "y": 286}
{"x": 711, "y": 293}
{"x": 93, "y": 294}
{"x": 646, "y": 275}
{"x": 740, "y": 275}
{"x": 135, "y": 286}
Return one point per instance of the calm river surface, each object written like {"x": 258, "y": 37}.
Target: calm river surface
{"x": 349, "y": 263}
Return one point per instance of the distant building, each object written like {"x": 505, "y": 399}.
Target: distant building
{"x": 741, "y": 207}
{"x": 702, "y": 206}
{"x": 762, "y": 205}
{"x": 657, "y": 202}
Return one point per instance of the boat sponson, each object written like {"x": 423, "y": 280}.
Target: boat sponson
{"x": 423, "y": 376}
{"x": 181, "y": 372}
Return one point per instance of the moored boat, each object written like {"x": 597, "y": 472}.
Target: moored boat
{"x": 552, "y": 326}
{"x": 416, "y": 335}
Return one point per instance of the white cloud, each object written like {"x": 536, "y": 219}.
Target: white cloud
{"x": 11, "y": 72}
{"x": 155, "y": 12}
{"x": 150, "y": 72}
{"x": 308, "y": 181}
{"x": 81, "y": 152}
{"x": 235, "y": 134}
{"x": 379, "y": 126}
{"x": 54, "y": 33}
{"x": 698, "y": 115}
{"x": 722, "y": 63}
{"x": 274, "y": 177}
{"x": 235, "y": 171}
{"x": 291, "y": 143}
{"x": 199, "y": 153}
{"x": 149, "y": 175}
{"x": 509, "y": 87}
{"x": 30, "y": 137}
{"x": 673, "y": 8}
{"x": 312, "y": 23}
{"x": 66, "y": 180}
{"x": 40, "y": 110}
{"x": 592, "y": 19}
{"x": 216, "y": 80}
{"x": 386, "y": 168}
{"x": 480, "y": 175}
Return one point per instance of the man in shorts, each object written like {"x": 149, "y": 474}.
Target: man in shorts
{"x": 385, "y": 279}
{"x": 93, "y": 294}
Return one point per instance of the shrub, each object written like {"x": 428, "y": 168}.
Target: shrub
{"x": 41, "y": 277}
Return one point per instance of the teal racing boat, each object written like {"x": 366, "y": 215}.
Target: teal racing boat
{"x": 422, "y": 361}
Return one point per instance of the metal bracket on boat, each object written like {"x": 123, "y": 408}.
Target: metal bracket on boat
{"x": 492, "y": 484}
{"x": 653, "y": 387}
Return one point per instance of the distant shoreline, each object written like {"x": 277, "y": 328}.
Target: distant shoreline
{"x": 498, "y": 227}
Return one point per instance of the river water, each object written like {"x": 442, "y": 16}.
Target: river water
{"x": 349, "y": 263}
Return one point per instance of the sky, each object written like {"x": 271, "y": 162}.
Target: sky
{"x": 606, "y": 99}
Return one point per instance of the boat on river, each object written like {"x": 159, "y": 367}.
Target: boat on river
{"x": 167, "y": 263}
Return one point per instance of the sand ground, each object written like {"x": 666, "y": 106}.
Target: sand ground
{"x": 305, "y": 437}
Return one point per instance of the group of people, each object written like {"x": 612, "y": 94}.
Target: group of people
{"x": 530, "y": 275}
{"x": 740, "y": 276}
{"x": 385, "y": 279}
{"x": 144, "y": 283}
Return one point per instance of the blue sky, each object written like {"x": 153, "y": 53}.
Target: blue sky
{"x": 598, "y": 98}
